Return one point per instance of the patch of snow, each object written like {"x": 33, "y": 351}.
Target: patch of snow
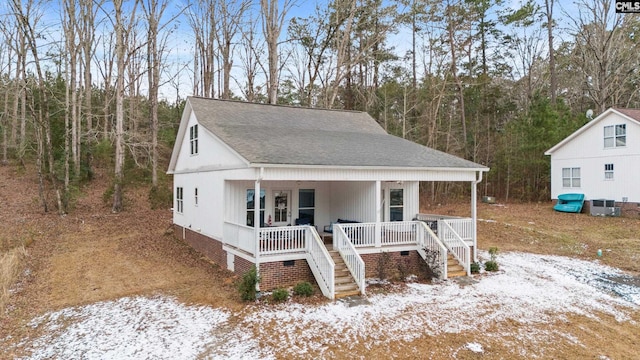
{"x": 475, "y": 347}
{"x": 528, "y": 290}
{"x": 137, "y": 328}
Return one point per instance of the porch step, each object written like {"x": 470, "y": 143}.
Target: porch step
{"x": 454, "y": 268}
{"x": 344, "y": 283}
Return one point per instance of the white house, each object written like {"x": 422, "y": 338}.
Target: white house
{"x": 601, "y": 159}
{"x": 311, "y": 168}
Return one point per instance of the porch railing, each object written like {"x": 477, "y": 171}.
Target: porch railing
{"x": 432, "y": 249}
{"x": 239, "y": 236}
{"x": 282, "y": 240}
{"x": 350, "y": 255}
{"x": 457, "y": 245}
{"x": 320, "y": 262}
{"x": 462, "y": 226}
{"x": 398, "y": 233}
{"x": 360, "y": 234}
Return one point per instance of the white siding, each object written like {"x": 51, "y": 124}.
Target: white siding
{"x": 206, "y": 217}
{"x": 353, "y": 201}
{"x": 354, "y": 174}
{"x": 587, "y": 152}
{"x": 212, "y": 153}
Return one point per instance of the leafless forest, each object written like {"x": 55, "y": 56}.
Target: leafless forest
{"x": 96, "y": 83}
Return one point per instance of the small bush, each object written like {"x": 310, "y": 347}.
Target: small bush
{"x": 475, "y": 268}
{"x": 491, "y": 265}
{"x": 279, "y": 295}
{"x": 247, "y": 286}
{"x": 303, "y": 288}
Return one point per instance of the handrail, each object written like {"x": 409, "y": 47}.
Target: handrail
{"x": 348, "y": 252}
{"x": 320, "y": 262}
{"x": 427, "y": 239}
{"x": 458, "y": 247}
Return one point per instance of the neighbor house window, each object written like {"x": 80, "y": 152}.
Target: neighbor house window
{"x": 195, "y": 196}
{"x": 396, "y": 205}
{"x": 608, "y": 171}
{"x": 615, "y": 136}
{"x": 570, "y": 177}
{"x": 193, "y": 139}
{"x": 251, "y": 201}
{"x": 307, "y": 205}
{"x": 179, "y": 200}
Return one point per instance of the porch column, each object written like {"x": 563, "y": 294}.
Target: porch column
{"x": 256, "y": 222}
{"x": 378, "y": 228}
{"x": 474, "y": 216}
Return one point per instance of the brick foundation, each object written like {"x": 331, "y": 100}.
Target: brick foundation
{"x": 276, "y": 274}
{"x": 272, "y": 274}
{"x": 411, "y": 263}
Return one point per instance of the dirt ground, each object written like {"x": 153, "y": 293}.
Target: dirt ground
{"x": 92, "y": 255}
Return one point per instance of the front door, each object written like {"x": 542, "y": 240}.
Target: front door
{"x": 281, "y": 207}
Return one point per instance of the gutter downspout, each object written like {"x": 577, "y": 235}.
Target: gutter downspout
{"x": 256, "y": 221}
{"x": 474, "y": 215}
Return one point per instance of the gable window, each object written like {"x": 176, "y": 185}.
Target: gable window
{"x": 193, "y": 139}
{"x": 570, "y": 177}
{"x": 251, "y": 201}
{"x": 179, "y": 200}
{"x": 195, "y": 196}
{"x": 615, "y": 136}
{"x": 396, "y": 205}
{"x": 608, "y": 171}
{"x": 307, "y": 205}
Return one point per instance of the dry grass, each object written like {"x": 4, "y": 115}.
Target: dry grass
{"x": 10, "y": 267}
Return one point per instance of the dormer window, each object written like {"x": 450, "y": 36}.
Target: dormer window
{"x": 193, "y": 139}
{"x": 615, "y": 136}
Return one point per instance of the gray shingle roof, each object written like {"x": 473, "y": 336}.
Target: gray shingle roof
{"x": 269, "y": 134}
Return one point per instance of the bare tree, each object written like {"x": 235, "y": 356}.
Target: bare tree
{"x": 252, "y": 51}
{"x": 27, "y": 19}
{"x": 272, "y": 21}
{"x": 604, "y": 51}
{"x": 203, "y": 20}
{"x": 553, "y": 82}
{"x": 122, "y": 31}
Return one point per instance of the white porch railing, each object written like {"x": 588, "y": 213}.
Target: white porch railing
{"x": 282, "y": 240}
{"x": 360, "y": 234}
{"x": 350, "y": 255}
{"x": 320, "y": 262}
{"x": 462, "y": 226}
{"x": 239, "y": 236}
{"x": 457, "y": 245}
{"x": 398, "y": 233}
{"x": 431, "y": 248}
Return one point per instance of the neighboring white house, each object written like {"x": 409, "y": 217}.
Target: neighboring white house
{"x": 601, "y": 159}
{"x": 310, "y": 167}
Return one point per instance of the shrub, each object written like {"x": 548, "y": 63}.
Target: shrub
{"x": 431, "y": 267}
{"x": 279, "y": 295}
{"x": 303, "y": 288}
{"x": 475, "y": 268}
{"x": 247, "y": 286}
{"x": 491, "y": 265}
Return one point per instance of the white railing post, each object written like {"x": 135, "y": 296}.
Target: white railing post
{"x": 378, "y": 227}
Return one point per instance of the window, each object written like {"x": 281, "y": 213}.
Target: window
{"x": 193, "y": 139}
{"x": 570, "y": 177}
{"x": 396, "y": 205}
{"x": 196, "y": 197}
{"x": 251, "y": 207}
{"x": 608, "y": 171}
{"x": 179, "y": 200}
{"x": 615, "y": 136}
{"x": 307, "y": 204}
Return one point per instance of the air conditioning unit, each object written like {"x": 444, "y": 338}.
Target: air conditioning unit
{"x": 602, "y": 207}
